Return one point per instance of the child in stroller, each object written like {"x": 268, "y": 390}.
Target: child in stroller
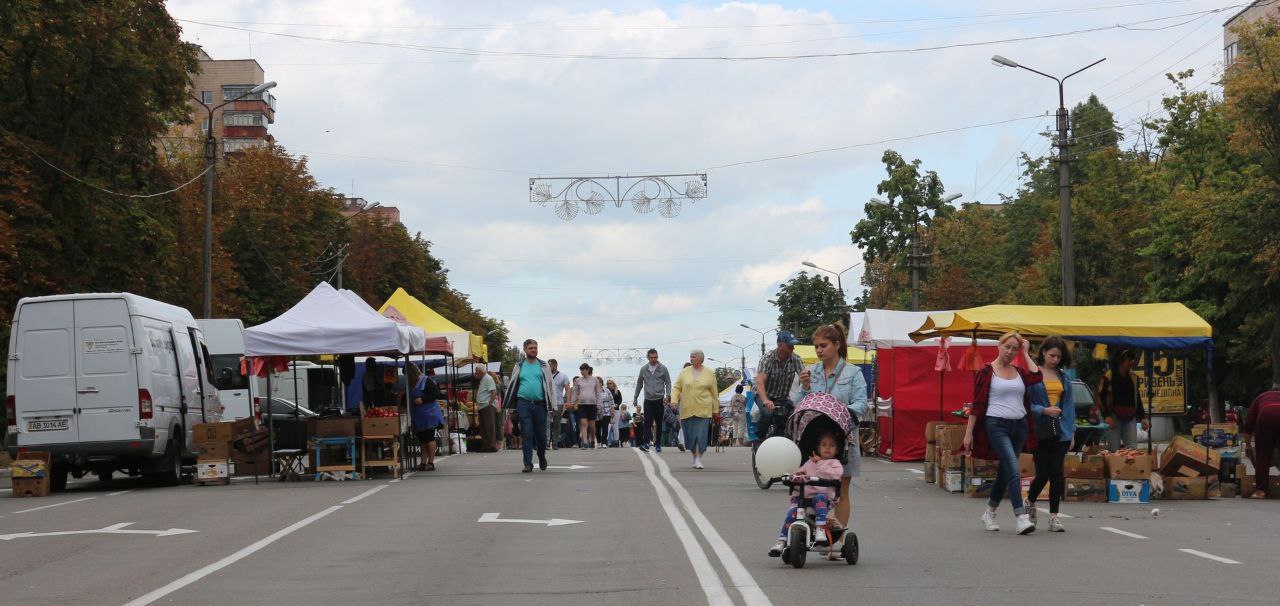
{"x": 822, "y": 465}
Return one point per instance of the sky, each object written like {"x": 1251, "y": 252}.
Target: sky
{"x": 446, "y": 110}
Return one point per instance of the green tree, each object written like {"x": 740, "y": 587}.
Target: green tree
{"x": 806, "y": 302}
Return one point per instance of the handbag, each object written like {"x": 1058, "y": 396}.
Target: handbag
{"x": 1049, "y": 429}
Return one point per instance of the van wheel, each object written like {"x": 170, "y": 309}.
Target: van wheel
{"x": 104, "y": 476}
{"x": 172, "y": 467}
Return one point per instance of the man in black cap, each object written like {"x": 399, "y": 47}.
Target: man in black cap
{"x": 778, "y": 369}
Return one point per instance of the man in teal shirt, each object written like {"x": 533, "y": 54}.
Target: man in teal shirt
{"x": 529, "y": 392}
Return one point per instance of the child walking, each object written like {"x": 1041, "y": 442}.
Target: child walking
{"x": 822, "y": 464}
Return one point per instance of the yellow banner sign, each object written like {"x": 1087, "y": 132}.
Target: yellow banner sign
{"x": 1170, "y": 383}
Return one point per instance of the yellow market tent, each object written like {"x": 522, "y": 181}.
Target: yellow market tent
{"x": 856, "y": 355}
{"x": 1145, "y": 326}
{"x": 406, "y": 306}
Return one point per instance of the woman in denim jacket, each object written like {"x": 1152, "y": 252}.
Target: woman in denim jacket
{"x": 1052, "y": 398}
{"x": 833, "y": 374}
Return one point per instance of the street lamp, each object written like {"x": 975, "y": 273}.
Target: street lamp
{"x": 844, "y": 299}
{"x": 762, "y": 334}
{"x": 343, "y": 253}
{"x": 916, "y": 215}
{"x": 1064, "y": 178}
{"x": 210, "y": 155}
{"x": 743, "y": 352}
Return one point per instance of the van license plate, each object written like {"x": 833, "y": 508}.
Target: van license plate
{"x": 53, "y": 425}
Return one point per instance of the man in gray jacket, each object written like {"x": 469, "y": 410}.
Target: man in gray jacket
{"x": 655, "y": 380}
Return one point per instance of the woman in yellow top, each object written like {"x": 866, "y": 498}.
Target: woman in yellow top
{"x": 694, "y": 391}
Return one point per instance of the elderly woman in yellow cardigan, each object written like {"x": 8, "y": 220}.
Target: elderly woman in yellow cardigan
{"x": 694, "y": 391}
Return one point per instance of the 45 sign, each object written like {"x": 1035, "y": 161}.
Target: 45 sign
{"x": 1169, "y": 383}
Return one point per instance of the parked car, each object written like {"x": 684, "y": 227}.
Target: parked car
{"x": 1086, "y": 408}
{"x": 107, "y": 382}
{"x": 281, "y": 408}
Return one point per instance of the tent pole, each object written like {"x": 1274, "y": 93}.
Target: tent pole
{"x": 267, "y": 364}
{"x": 1151, "y": 388}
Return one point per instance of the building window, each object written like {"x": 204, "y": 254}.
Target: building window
{"x": 206, "y": 96}
{"x": 1229, "y": 54}
{"x": 235, "y": 145}
{"x": 244, "y": 119}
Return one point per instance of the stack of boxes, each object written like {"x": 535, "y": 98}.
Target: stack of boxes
{"x": 221, "y": 444}
{"x": 31, "y": 474}
{"x": 979, "y": 477}
{"x": 949, "y": 471}
{"x": 1189, "y": 471}
{"x": 1224, "y": 439}
{"x": 1129, "y": 478}
{"x": 1086, "y": 475}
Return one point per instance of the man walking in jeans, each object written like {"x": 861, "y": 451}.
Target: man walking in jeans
{"x": 529, "y": 392}
{"x": 773, "y": 379}
{"x": 655, "y": 380}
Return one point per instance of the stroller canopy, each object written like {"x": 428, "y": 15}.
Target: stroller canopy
{"x": 816, "y": 414}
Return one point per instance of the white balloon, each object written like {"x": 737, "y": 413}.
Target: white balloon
{"x": 777, "y": 456}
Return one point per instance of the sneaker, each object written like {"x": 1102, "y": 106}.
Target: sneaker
{"x": 989, "y": 521}
{"x": 698, "y": 465}
{"x": 1024, "y": 525}
{"x": 644, "y": 449}
{"x": 778, "y": 548}
{"x": 1055, "y": 524}
{"x": 821, "y": 536}
{"x": 680, "y": 446}
{"x": 1031, "y": 513}
{"x": 657, "y": 449}
{"x": 527, "y": 469}
{"x": 542, "y": 464}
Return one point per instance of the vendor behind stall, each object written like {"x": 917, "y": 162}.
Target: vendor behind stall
{"x": 426, "y": 414}
{"x": 1261, "y": 436}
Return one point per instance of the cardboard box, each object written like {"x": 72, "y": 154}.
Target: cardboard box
{"x": 950, "y": 461}
{"x": 978, "y": 486}
{"x": 1026, "y": 465}
{"x": 213, "y": 470}
{"x": 1121, "y": 467}
{"x": 950, "y": 437}
{"x": 931, "y": 431}
{"x": 980, "y": 467}
{"x": 1026, "y": 490}
{"x": 227, "y": 431}
{"x": 1216, "y": 435}
{"x": 31, "y": 487}
{"x": 1178, "y": 488}
{"x": 1085, "y": 467}
{"x": 214, "y": 451}
{"x": 1128, "y": 491}
{"x": 246, "y": 464}
{"x": 32, "y": 465}
{"x": 380, "y": 426}
{"x": 939, "y": 474}
{"x": 1230, "y": 490}
{"x": 931, "y": 453}
{"x": 1184, "y": 458}
{"x": 332, "y": 427}
{"x": 1091, "y": 490}
{"x": 930, "y": 472}
{"x": 953, "y": 481}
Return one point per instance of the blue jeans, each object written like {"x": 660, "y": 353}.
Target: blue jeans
{"x": 1007, "y": 437}
{"x": 533, "y": 426}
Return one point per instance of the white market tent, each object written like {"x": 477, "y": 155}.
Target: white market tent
{"x": 328, "y": 321}
{"x": 890, "y": 328}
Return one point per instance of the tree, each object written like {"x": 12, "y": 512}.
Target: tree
{"x": 806, "y": 302}
{"x": 726, "y": 376}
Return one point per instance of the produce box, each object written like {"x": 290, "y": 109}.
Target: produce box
{"x": 939, "y": 474}
{"x": 332, "y": 427}
{"x": 1185, "y": 458}
{"x": 1085, "y": 467}
{"x": 950, "y": 461}
{"x": 31, "y": 487}
{"x": 214, "y": 451}
{"x": 1128, "y": 491}
{"x": 32, "y": 465}
{"x": 1230, "y": 490}
{"x": 978, "y": 486}
{"x": 247, "y": 464}
{"x": 980, "y": 467}
{"x": 1216, "y": 435}
{"x": 952, "y": 481}
{"x": 213, "y": 472}
{"x": 931, "y": 431}
{"x": 1189, "y": 489}
{"x": 1026, "y": 465}
{"x": 1026, "y": 490}
{"x": 1129, "y": 467}
{"x": 380, "y": 426}
{"x": 930, "y": 472}
{"x": 1091, "y": 490}
{"x": 950, "y": 437}
{"x": 226, "y": 431}
{"x": 931, "y": 453}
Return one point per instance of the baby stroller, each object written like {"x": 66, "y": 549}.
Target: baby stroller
{"x": 818, "y": 414}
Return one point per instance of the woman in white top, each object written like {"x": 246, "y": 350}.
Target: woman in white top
{"x": 586, "y": 392}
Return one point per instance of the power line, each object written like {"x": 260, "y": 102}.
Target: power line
{"x": 13, "y": 137}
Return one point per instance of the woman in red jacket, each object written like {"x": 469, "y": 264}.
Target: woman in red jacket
{"x": 1261, "y": 436}
{"x": 1000, "y": 424}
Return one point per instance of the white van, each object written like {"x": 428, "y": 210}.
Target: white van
{"x": 225, "y": 339}
{"x": 107, "y": 382}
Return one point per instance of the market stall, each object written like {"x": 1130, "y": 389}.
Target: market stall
{"x": 329, "y": 321}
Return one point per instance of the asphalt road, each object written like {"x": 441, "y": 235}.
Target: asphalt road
{"x": 627, "y": 528}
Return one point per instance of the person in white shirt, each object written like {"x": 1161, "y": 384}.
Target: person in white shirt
{"x": 559, "y": 390}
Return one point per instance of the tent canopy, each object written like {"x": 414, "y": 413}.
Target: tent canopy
{"x": 856, "y": 356}
{"x": 1145, "y": 326}
{"x": 330, "y": 321}
{"x": 405, "y": 306}
{"x": 892, "y": 328}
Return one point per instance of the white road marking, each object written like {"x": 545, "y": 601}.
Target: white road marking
{"x": 707, "y": 577}
{"x": 1122, "y": 532}
{"x": 1209, "y": 556}
{"x": 112, "y": 494}
{"x": 914, "y": 470}
{"x": 364, "y": 494}
{"x": 229, "y": 560}
{"x": 112, "y": 529}
{"x": 493, "y": 517}
{"x": 408, "y": 475}
{"x": 742, "y": 580}
{"x": 568, "y": 466}
{"x": 56, "y": 504}
{"x": 1046, "y": 511}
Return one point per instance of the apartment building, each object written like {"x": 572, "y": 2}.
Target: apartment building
{"x": 1258, "y": 9}
{"x": 238, "y": 125}
{"x": 359, "y": 206}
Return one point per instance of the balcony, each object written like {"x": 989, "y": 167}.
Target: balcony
{"x": 233, "y": 145}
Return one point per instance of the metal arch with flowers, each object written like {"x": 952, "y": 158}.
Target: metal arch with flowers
{"x": 645, "y": 193}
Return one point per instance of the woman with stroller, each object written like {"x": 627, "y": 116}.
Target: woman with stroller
{"x": 832, "y": 374}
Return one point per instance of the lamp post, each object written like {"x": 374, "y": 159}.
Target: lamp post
{"x": 844, "y": 299}
{"x": 343, "y": 254}
{"x": 762, "y": 334}
{"x": 916, "y": 215}
{"x": 210, "y": 156}
{"x": 743, "y": 352}
{"x": 1064, "y": 178}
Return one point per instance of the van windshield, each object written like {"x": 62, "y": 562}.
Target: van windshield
{"x": 226, "y": 372}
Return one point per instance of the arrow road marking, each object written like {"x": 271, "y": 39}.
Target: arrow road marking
{"x": 568, "y": 466}
{"x": 493, "y": 517}
{"x": 112, "y": 529}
